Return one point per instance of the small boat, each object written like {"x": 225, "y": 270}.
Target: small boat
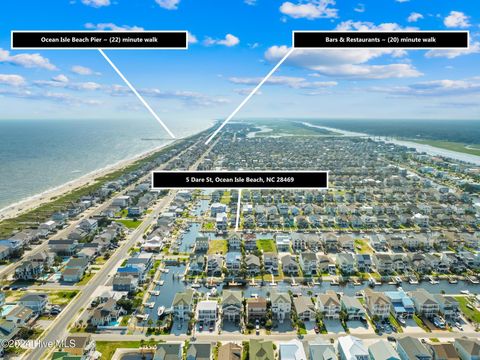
{"x": 465, "y": 292}
{"x": 433, "y": 281}
{"x": 413, "y": 280}
{"x": 154, "y": 292}
{"x": 166, "y": 271}
{"x": 161, "y": 282}
{"x": 452, "y": 280}
{"x": 334, "y": 282}
{"x": 160, "y": 310}
{"x": 398, "y": 279}
{"x": 150, "y": 305}
{"x": 254, "y": 296}
{"x": 195, "y": 285}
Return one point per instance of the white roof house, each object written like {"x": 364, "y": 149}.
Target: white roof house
{"x": 352, "y": 348}
{"x": 292, "y": 350}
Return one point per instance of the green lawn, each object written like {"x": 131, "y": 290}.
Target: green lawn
{"x": 362, "y": 247}
{"x": 472, "y": 315}
{"x": 453, "y": 146}
{"x": 85, "y": 279}
{"x": 61, "y": 297}
{"x": 209, "y": 225}
{"x": 217, "y": 246}
{"x": 108, "y": 348}
{"x": 266, "y": 245}
{"x": 130, "y": 224}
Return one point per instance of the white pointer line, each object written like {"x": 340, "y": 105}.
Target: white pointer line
{"x": 142, "y": 100}
{"x": 237, "y": 220}
{"x": 249, "y": 96}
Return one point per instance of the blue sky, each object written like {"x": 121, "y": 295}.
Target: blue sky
{"x": 235, "y": 43}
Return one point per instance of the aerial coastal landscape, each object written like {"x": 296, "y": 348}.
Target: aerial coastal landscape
{"x": 388, "y": 257}
{"x": 239, "y": 180}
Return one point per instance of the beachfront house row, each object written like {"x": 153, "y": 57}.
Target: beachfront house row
{"x": 290, "y": 265}
{"x": 270, "y": 263}
{"x": 308, "y": 262}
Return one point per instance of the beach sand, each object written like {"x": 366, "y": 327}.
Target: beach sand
{"x": 35, "y": 201}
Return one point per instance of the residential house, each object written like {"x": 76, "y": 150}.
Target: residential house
{"x": 321, "y": 351}
{"x": 304, "y": 308}
{"x": 207, "y": 312}
{"x": 104, "y": 314}
{"x": 281, "y": 305}
{"x": 214, "y": 265}
{"x": 377, "y": 304}
{"x": 199, "y": 351}
{"x": 299, "y": 242}
{"x": 425, "y": 303}
{"x": 401, "y": 304}
{"x": 63, "y": 247}
{"x": 168, "y": 351}
{"x": 230, "y": 351}
{"x": 37, "y": 302}
{"x": 363, "y": 262}
{"x": 81, "y": 345}
{"x": 234, "y": 242}
{"x": 256, "y": 309}
{"x": 410, "y": 348}
{"x": 467, "y": 349}
{"x": 270, "y": 263}
{"x": 448, "y": 306}
{"x": 233, "y": 262}
{"x": 182, "y": 304}
{"x": 232, "y": 305}
{"x": 252, "y": 263}
{"x": 20, "y": 315}
{"x": 443, "y": 351}
{"x": 346, "y": 263}
{"x": 261, "y": 350}
{"x": 289, "y": 265}
{"x": 352, "y": 307}
{"x": 328, "y": 305}
{"x": 292, "y": 350}
{"x": 201, "y": 244}
{"x": 352, "y": 348}
{"x": 308, "y": 262}
{"x": 282, "y": 241}
{"x": 382, "y": 350}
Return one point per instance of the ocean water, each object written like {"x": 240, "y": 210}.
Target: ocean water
{"x": 37, "y": 155}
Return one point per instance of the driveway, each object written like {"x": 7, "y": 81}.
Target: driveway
{"x": 334, "y": 326}
{"x": 359, "y": 327}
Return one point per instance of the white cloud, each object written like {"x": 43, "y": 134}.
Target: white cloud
{"x": 444, "y": 87}
{"x": 351, "y": 25}
{"x": 353, "y": 71}
{"x": 250, "y": 2}
{"x": 348, "y": 64}
{"x": 229, "y": 41}
{"x": 474, "y": 48}
{"x": 456, "y": 19}
{"x": 83, "y": 70}
{"x": 112, "y": 27}
{"x": 290, "y": 81}
{"x": 360, "y": 8}
{"x": 192, "y": 39}
{"x": 96, "y": 3}
{"x": 60, "y": 78}
{"x": 12, "y": 80}
{"x": 402, "y": 1}
{"x": 59, "y": 98}
{"x": 62, "y": 81}
{"x": 26, "y": 60}
{"x": 168, "y": 4}
{"x": 414, "y": 17}
{"x": 189, "y": 98}
{"x": 312, "y": 9}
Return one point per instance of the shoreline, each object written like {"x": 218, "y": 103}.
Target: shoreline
{"x": 34, "y": 201}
